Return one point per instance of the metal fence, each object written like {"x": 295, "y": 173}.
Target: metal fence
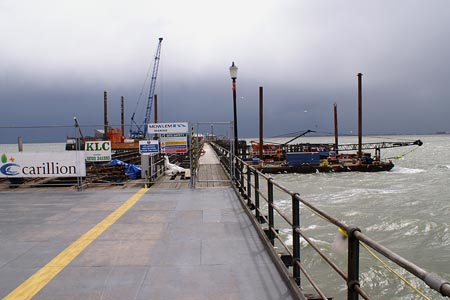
{"x": 257, "y": 191}
{"x": 100, "y": 175}
{"x": 56, "y": 139}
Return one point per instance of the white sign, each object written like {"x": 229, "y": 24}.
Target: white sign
{"x": 174, "y": 143}
{"x": 43, "y": 164}
{"x": 148, "y": 147}
{"x": 98, "y": 150}
{"x": 180, "y": 127}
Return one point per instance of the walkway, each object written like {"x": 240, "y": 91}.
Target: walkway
{"x": 210, "y": 171}
{"x": 132, "y": 244}
{"x": 210, "y": 174}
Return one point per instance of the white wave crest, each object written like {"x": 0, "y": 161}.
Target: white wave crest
{"x": 402, "y": 170}
{"x": 317, "y": 242}
{"x": 387, "y": 226}
{"x": 311, "y": 227}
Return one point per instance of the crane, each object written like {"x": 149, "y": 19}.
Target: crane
{"x": 381, "y": 145}
{"x": 351, "y": 147}
{"x": 300, "y": 135}
{"x": 141, "y": 129}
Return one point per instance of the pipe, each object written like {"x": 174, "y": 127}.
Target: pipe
{"x": 359, "y": 115}
{"x": 261, "y": 125}
{"x": 20, "y": 143}
{"x": 236, "y": 139}
{"x": 122, "y": 115}
{"x": 336, "y": 135}
{"x": 105, "y": 115}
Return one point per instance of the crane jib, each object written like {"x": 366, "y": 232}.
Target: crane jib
{"x": 142, "y": 132}
{"x": 381, "y": 145}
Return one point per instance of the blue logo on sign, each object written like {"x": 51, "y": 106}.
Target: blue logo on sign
{"x": 8, "y": 169}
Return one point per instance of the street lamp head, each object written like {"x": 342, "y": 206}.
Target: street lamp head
{"x": 233, "y": 71}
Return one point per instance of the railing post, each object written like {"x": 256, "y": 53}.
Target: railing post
{"x": 353, "y": 264}
{"x": 296, "y": 237}
{"x": 249, "y": 191}
{"x": 241, "y": 178}
{"x": 236, "y": 171}
{"x": 257, "y": 196}
{"x": 270, "y": 208}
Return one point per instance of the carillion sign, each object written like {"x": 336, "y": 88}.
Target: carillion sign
{"x": 48, "y": 164}
{"x": 180, "y": 127}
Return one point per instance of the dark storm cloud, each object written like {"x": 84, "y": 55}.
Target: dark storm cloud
{"x": 305, "y": 54}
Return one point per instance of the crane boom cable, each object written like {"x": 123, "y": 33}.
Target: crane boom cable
{"x": 403, "y": 155}
{"x": 151, "y": 93}
{"x": 141, "y": 92}
{"x": 141, "y": 133}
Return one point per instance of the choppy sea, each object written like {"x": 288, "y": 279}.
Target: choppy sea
{"x": 406, "y": 209}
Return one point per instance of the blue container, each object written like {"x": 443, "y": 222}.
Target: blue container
{"x": 303, "y": 158}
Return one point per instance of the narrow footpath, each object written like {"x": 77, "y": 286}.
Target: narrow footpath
{"x": 210, "y": 171}
{"x": 131, "y": 243}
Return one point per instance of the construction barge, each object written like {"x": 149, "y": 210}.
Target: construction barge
{"x": 306, "y": 158}
{"x": 308, "y": 168}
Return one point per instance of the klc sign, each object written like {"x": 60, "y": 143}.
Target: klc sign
{"x": 98, "y": 150}
{"x": 98, "y": 146}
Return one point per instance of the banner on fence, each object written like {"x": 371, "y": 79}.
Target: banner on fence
{"x": 174, "y": 143}
{"x": 148, "y": 147}
{"x": 98, "y": 150}
{"x": 43, "y": 164}
{"x": 156, "y": 128}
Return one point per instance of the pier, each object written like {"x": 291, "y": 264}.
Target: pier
{"x": 217, "y": 239}
{"x": 135, "y": 243}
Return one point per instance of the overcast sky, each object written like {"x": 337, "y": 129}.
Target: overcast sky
{"x": 58, "y": 56}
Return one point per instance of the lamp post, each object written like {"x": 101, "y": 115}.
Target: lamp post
{"x": 233, "y": 75}
{"x": 212, "y": 132}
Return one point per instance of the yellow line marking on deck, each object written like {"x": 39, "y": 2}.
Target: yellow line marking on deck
{"x": 41, "y": 278}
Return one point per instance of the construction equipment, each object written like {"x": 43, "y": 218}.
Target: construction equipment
{"x": 139, "y": 131}
{"x": 381, "y": 145}
{"x": 300, "y": 135}
{"x": 313, "y": 147}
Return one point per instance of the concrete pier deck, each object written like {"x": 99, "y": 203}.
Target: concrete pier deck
{"x": 131, "y": 243}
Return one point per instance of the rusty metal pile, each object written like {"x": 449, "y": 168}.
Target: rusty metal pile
{"x": 105, "y": 174}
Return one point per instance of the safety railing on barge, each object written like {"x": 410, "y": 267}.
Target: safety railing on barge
{"x": 249, "y": 182}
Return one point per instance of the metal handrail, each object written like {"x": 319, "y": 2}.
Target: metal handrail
{"x": 354, "y": 234}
